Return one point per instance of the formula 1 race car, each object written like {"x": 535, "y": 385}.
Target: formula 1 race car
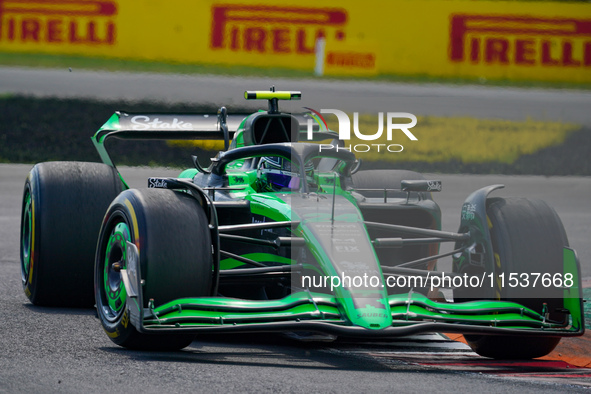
{"x": 284, "y": 232}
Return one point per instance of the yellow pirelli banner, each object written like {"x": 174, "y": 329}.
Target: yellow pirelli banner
{"x": 548, "y": 41}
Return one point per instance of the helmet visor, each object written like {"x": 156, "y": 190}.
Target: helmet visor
{"x": 283, "y": 179}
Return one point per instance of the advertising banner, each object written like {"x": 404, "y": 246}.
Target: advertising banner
{"x": 548, "y": 41}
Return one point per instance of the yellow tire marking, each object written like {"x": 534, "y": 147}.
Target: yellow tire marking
{"x": 32, "y": 251}
{"x": 498, "y": 267}
{"x": 498, "y": 264}
{"x": 111, "y": 334}
{"x": 125, "y": 319}
{"x": 134, "y": 223}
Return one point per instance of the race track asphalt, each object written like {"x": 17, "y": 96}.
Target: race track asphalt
{"x": 64, "y": 350}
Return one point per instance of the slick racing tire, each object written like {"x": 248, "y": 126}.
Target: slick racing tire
{"x": 527, "y": 237}
{"x": 389, "y": 179}
{"x": 171, "y": 232}
{"x": 62, "y": 208}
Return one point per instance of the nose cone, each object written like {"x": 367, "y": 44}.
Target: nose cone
{"x": 346, "y": 257}
{"x": 370, "y": 311}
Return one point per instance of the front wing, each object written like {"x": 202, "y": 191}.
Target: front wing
{"x": 306, "y": 311}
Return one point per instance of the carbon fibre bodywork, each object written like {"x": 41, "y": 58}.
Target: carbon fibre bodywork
{"x": 264, "y": 243}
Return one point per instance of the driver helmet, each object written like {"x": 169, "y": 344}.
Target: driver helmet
{"x": 277, "y": 173}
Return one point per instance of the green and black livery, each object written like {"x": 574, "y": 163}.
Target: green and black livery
{"x": 214, "y": 251}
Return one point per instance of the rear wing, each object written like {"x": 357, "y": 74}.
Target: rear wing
{"x": 160, "y": 126}
{"x": 125, "y": 125}
{"x": 155, "y": 126}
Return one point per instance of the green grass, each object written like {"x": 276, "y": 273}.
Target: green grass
{"x": 61, "y": 128}
{"x": 445, "y": 139}
{"x": 113, "y": 64}
{"x": 467, "y": 140}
